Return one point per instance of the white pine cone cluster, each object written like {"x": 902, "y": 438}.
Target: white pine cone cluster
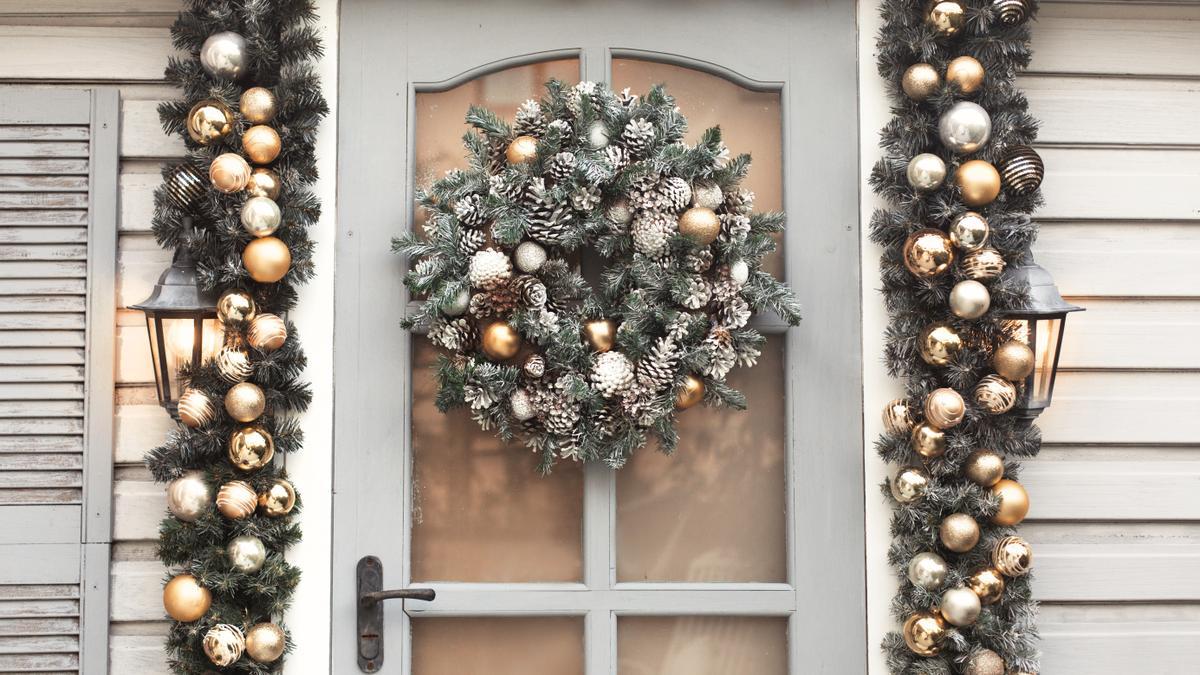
{"x": 557, "y": 410}
{"x": 612, "y": 373}
{"x": 529, "y": 120}
{"x": 651, "y": 232}
{"x": 675, "y": 193}
{"x": 469, "y": 210}
{"x": 721, "y": 355}
{"x": 457, "y": 335}
{"x": 562, "y": 165}
{"x": 489, "y": 268}
{"x": 617, "y": 157}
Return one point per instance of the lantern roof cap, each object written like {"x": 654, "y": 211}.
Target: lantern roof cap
{"x": 177, "y": 289}
{"x": 1044, "y": 296}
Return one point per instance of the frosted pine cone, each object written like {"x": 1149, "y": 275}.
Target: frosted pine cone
{"x": 499, "y": 301}
{"x": 585, "y": 199}
{"x": 558, "y": 411}
{"x": 740, "y": 201}
{"x": 508, "y": 185}
{"x": 616, "y": 156}
{"x": 644, "y": 194}
{"x": 734, "y": 314}
{"x": 562, "y": 166}
{"x": 530, "y": 290}
{"x": 612, "y": 373}
{"x": 535, "y": 367}
{"x": 734, "y": 228}
{"x": 529, "y": 120}
{"x": 489, "y": 269}
{"x": 721, "y": 356}
{"x": 469, "y": 210}
{"x": 676, "y": 193}
{"x": 550, "y": 227}
{"x": 457, "y": 335}
{"x": 575, "y": 96}
{"x": 699, "y": 260}
{"x": 698, "y": 293}
{"x": 637, "y": 136}
{"x": 627, "y": 100}
{"x": 470, "y": 241}
{"x": 651, "y": 231}
{"x": 656, "y": 369}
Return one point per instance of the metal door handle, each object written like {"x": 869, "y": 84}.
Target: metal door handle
{"x": 370, "y": 610}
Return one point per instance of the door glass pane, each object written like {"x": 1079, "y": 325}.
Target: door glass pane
{"x": 469, "y": 646}
{"x": 715, "y": 510}
{"x": 701, "y": 645}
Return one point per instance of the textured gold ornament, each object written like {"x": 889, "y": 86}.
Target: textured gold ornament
{"x": 245, "y": 402}
{"x": 224, "y": 644}
{"x": 264, "y": 183}
{"x": 701, "y": 225}
{"x": 995, "y": 395}
{"x": 939, "y": 344}
{"x": 983, "y": 265}
{"x": 500, "y": 341}
{"x": 196, "y": 408}
{"x": 258, "y": 105}
{"x": 960, "y": 606}
{"x": 208, "y": 121}
{"x": 265, "y": 642}
{"x": 970, "y": 299}
{"x": 897, "y": 418}
{"x": 928, "y": 441}
{"x": 601, "y": 334}
{"x": 229, "y": 173}
{"x": 1013, "y": 360}
{"x": 233, "y": 365}
{"x": 966, "y": 73}
{"x": 979, "y": 182}
{"x": 909, "y": 484}
{"x": 944, "y": 408}
{"x": 185, "y": 599}
{"x": 928, "y": 253}
{"x": 267, "y": 332}
{"x": 251, "y": 448}
{"x": 1012, "y": 556}
{"x": 235, "y": 308}
{"x": 189, "y": 496}
{"x": 969, "y": 231}
{"x": 947, "y": 17}
{"x": 984, "y": 662}
{"x": 920, "y": 81}
{"x": 267, "y": 259}
{"x": 236, "y": 500}
{"x": 988, "y": 584}
{"x": 277, "y": 500}
{"x": 261, "y": 144}
{"x": 1014, "y": 502}
{"x": 984, "y": 467}
{"x": 261, "y": 216}
{"x": 690, "y": 394}
{"x": 959, "y": 532}
{"x": 522, "y": 150}
{"x": 924, "y": 633}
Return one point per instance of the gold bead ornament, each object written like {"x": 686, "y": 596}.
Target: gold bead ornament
{"x": 1013, "y": 361}
{"x": 229, "y": 173}
{"x": 920, "y": 81}
{"x": 984, "y": 467}
{"x": 258, "y": 105}
{"x": 500, "y": 341}
{"x": 959, "y": 532}
{"x": 209, "y": 121}
{"x": 601, "y": 334}
{"x": 924, "y": 633}
{"x": 245, "y": 402}
{"x": 265, "y": 642}
{"x": 277, "y": 500}
{"x": 701, "y": 225}
{"x": 928, "y": 253}
{"x": 522, "y": 150}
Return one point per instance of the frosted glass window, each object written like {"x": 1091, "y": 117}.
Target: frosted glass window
{"x": 525, "y": 646}
{"x": 701, "y": 645}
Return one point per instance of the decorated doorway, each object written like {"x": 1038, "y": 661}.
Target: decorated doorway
{"x": 740, "y": 553}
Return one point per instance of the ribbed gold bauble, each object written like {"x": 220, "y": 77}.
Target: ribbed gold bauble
{"x": 909, "y": 484}
{"x": 920, "y": 81}
{"x": 959, "y": 532}
{"x": 995, "y": 395}
{"x": 979, "y": 182}
{"x": 1012, "y": 12}
{"x": 983, "y": 265}
{"x": 969, "y": 231}
{"x": 939, "y": 344}
{"x": 924, "y": 633}
{"x": 928, "y": 441}
{"x": 966, "y": 73}
{"x": 1013, "y": 361}
{"x": 969, "y": 299}
{"x": 208, "y": 121}
{"x": 235, "y": 308}
{"x": 928, "y": 253}
{"x": 522, "y": 150}
{"x": 189, "y": 496}
{"x": 265, "y": 642}
{"x": 692, "y": 393}
{"x": 267, "y": 259}
{"x": 984, "y": 467}
{"x": 1012, "y": 556}
{"x": 236, "y": 500}
{"x": 196, "y": 409}
{"x": 984, "y": 662}
{"x": 947, "y": 17}
{"x": 233, "y": 364}
{"x": 601, "y": 334}
{"x": 988, "y": 584}
{"x": 229, "y": 173}
{"x": 261, "y": 144}
{"x": 258, "y": 105}
{"x": 897, "y": 418}
{"x": 500, "y": 341}
{"x": 185, "y": 599}
{"x": 1014, "y": 502}
{"x": 264, "y": 183}
{"x": 277, "y": 500}
{"x": 267, "y": 332}
{"x": 224, "y": 644}
{"x": 245, "y": 402}
{"x": 251, "y": 448}
{"x": 701, "y": 225}
{"x": 944, "y": 408}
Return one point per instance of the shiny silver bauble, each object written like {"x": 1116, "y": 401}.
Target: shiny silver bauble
{"x": 189, "y": 496}
{"x": 928, "y": 570}
{"x": 926, "y": 172}
{"x": 224, "y": 55}
{"x": 960, "y": 606}
{"x": 246, "y": 553}
{"x": 965, "y": 127}
{"x": 969, "y": 299}
{"x": 261, "y": 216}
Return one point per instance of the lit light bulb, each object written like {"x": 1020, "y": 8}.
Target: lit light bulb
{"x": 181, "y": 340}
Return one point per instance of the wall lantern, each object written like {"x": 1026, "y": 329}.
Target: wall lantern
{"x": 1040, "y": 324}
{"x": 181, "y": 320}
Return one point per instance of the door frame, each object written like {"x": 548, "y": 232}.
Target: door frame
{"x": 823, "y": 355}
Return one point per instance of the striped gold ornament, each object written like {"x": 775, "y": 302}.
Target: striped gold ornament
{"x": 1011, "y": 12}
{"x": 984, "y": 264}
{"x": 236, "y": 500}
{"x": 185, "y": 185}
{"x": 196, "y": 408}
{"x": 1022, "y": 169}
{"x": 1013, "y": 556}
{"x": 234, "y": 365}
{"x": 995, "y": 395}
{"x": 267, "y": 333}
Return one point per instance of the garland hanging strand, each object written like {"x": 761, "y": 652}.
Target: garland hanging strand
{"x": 240, "y": 205}
{"x": 965, "y": 603}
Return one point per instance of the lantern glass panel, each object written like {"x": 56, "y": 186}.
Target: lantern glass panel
{"x": 178, "y": 340}
{"x": 1044, "y": 336}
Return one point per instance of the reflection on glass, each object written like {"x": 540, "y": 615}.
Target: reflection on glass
{"x": 715, "y": 510}
{"x": 481, "y": 513}
{"x": 693, "y": 645}
{"x": 526, "y": 646}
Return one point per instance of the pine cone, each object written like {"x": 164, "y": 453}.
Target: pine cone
{"x": 529, "y": 120}
{"x": 644, "y": 194}
{"x": 740, "y": 201}
{"x": 558, "y": 412}
{"x": 551, "y": 228}
{"x": 675, "y": 193}
{"x": 585, "y": 199}
{"x": 656, "y": 369}
{"x": 699, "y": 260}
{"x": 499, "y": 301}
{"x": 530, "y": 290}
{"x": 612, "y": 373}
{"x": 617, "y": 157}
{"x": 722, "y": 358}
{"x": 469, "y": 210}
{"x": 651, "y": 231}
{"x": 734, "y": 314}
{"x": 457, "y": 335}
{"x": 699, "y": 293}
{"x": 637, "y": 136}
{"x": 489, "y": 268}
{"x": 627, "y": 100}
{"x": 575, "y": 97}
{"x": 562, "y": 166}
{"x": 734, "y": 228}
{"x": 535, "y": 366}
{"x": 508, "y": 185}
{"x": 470, "y": 241}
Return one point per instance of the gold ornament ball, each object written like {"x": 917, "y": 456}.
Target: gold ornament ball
{"x": 995, "y": 395}
{"x": 189, "y": 496}
{"x": 229, "y": 173}
{"x": 988, "y": 584}
{"x": 944, "y": 408}
{"x": 1012, "y": 557}
{"x": 208, "y": 121}
{"x": 251, "y": 447}
{"x": 233, "y": 364}
{"x": 1013, "y": 361}
{"x": 909, "y": 484}
{"x": 258, "y": 105}
{"x": 277, "y": 500}
{"x": 522, "y": 150}
{"x": 960, "y": 606}
{"x": 985, "y": 662}
{"x": 939, "y": 344}
{"x": 267, "y": 333}
{"x": 1012, "y": 12}
{"x": 959, "y": 532}
{"x": 196, "y": 408}
{"x": 920, "y": 81}
{"x": 236, "y": 500}
{"x": 928, "y": 441}
{"x": 264, "y": 183}
{"x": 261, "y": 144}
{"x": 235, "y": 308}
{"x": 966, "y": 73}
{"x": 969, "y": 231}
{"x": 224, "y": 644}
{"x": 245, "y": 402}
{"x": 897, "y": 418}
{"x": 601, "y": 334}
{"x": 947, "y": 17}
{"x": 983, "y": 265}
{"x": 500, "y": 341}
{"x": 1014, "y": 502}
{"x": 928, "y": 253}
{"x": 690, "y": 394}
{"x": 265, "y": 642}
{"x": 701, "y": 225}
{"x": 924, "y": 633}
{"x": 969, "y": 299}
{"x": 185, "y": 599}
{"x": 267, "y": 259}
{"x": 984, "y": 467}
{"x": 979, "y": 182}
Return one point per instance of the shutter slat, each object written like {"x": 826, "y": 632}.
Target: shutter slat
{"x": 42, "y": 251}
{"x": 14, "y": 480}
{"x": 41, "y": 374}
{"x": 29, "y": 627}
{"x": 34, "y": 217}
{"x": 13, "y": 149}
{"x": 39, "y": 644}
{"x": 48, "y": 356}
{"x": 47, "y": 663}
{"x": 43, "y": 184}
{"x": 43, "y": 235}
{"x": 42, "y": 287}
{"x": 34, "y": 607}
{"x": 43, "y": 322}
{"x": 62, "y": 167}
{"x": 24, "y": 426}
{"x": 43, "y": 200}
{"x": 36, "y": 303}
{"x": 44, "y": 392}
{"x": 37, "y": 132}
{"x": 43, "y": 270}
{"x": 30, "y": 408}
{"x": 10, "y": 496}
{"x": 39, "y": 462}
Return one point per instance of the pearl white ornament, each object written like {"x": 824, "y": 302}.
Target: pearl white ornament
{"x": 707, "y": 195}
{"x": 969, "y": 299}
{"x": 739, "y": 271}
{"x": 458, "y": 306}
{"x": 246, "y": 553}
{"x": 960, "y": 606}
{"x": 927, "y": 570}
{"x": 224, "y": 55}
{"x": 529, "y": 257}
{"x": 597, "y": 135}
{"x": 522, "y": 405}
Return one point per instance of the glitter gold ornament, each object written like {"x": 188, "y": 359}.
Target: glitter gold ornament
{"x": 928, "y": 253}
{"x": 224, "y": 55}
{"x": 984, "y": 467}
{"x": 909, "y": 484}
{"x": 1012, "y": 557}
{"x": 969, "y": 299}
{"x": 246, "y": 554}
{"x": 277, "y": 500}
{"x": 707, "y": 195}
{"x": 965, "y": 128}
{"x": 944, "y": 408}
{"x": 245, "y": 402}
{"x": 1014, "y": 502}
{"x": 265, "y": 642}
{"x": 233, "y": 364}
{"x": 995, "y": 395}
{"x": 261, "y": 144}
{"x": 690, "y": 394}
{"x": 928, "y": 441}
{"x": 897, "y": 418}
{"x": 209, "y": 121}
{"x": 960, "y": 606}
{"x": 939, "y": 344}
{"x": 264, "y": 183}
{"x": 236, "y": 308}
{"x": 985, "y": 662}
{"x": 920, "y": 81}
{"x": 267, "y": 332}
{"x": 983, "y": 265}
{"x": 924, "y": 633}
{"x": 969, "y": 231}
{"x": 189, "y": 496}
{"x": 224, "y": 644}
{"x": 196, "y": 408}
{"x": 258, "y": 105}
{"x": 979, "y": 182}
{"x": 1022, "y": 169}
{"x": 500, "y": 341}
{"x": 521, "y": 405}
{"x": 1013, "y": 361}
{"x": 236, "y": 500}
{"x": 988, "y": 584}
{"x": 925, "y": 172}
{"x": 229, "y": 173}
{"x": 701, "y": 225}
{"x": 601, "y": 334}
{"x": 267, "y": 259}
{"x": 947, "y": 17}
{"x": 966, "y": 73}
{"x": 185, "y": 599}
{"x": 522, "y": 150}
{"x": 928, "y": 570}
{"x": 251, "y": 447}
{"x": 959, "y": 532}
{"x": 261, "y": 216}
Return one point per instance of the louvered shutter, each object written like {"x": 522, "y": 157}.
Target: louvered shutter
{"x": 58, "y": 196}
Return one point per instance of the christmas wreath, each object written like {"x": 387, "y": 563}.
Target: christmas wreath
{"x": 592, "y": 371}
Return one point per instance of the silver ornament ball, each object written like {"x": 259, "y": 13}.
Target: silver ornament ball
{"x": 707, "y": 195}
{"x": 597, "y": 135}
{"x": 521, "y": 404}
{"x": 458, "y": 306}
{"x": 224, "y": 55}
{"x": 969, "y": 231}
{"x": 189, "y": 496}
{"x": 969, "y": 299}
{"x": 965, "y": 127}
{"x": 246, "y": 553}
{"x": 928, "y": 570}
{"x": 261, "y": 216}
{"x": 926, "y": 172}
{"x": 960, "y": 606}
{"x": 530, "y": 256}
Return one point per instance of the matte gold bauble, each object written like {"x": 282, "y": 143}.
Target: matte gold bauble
{"x": 189, "y": 496}
{"x": 966, "y": 73}
{"x": 920, "y": 81}
{"x": 233, "y": 364}
{"x": 267, "y": 332}
{"x": 939, "y": 344}
{"x": 909, "y": 484}
{"x": 969, "y": 299}
{"x": 209, "y": 121}
{"x": 897, "y": 418}
{"x": 500, "y": 341}
{"x": 690, "y": 394}
{"x": 522, "y": 150}
{"x": 928, "y": 441}
{"x": 235, "y": 308}
{"x": 229, "y": 173}
{"x": 959, "y": 532}
{"x": 261, "y": 216}
{"x": 960, "y": 606}
{"x": 245, "y": 402}
{"x": 601, "y": 334}
{"x": 196, "y": 409}
{"x": 236, "y": 500}
{"x": 1012, "y": 556}
{"x": 969, "y": 231}
{"x": 944, "y": 408}
{"x": 979, "y": 182}
{"x": 277, "y": 500}
{"x": 1014, "y": 502}
{"x": 995, "y": 395}
{"x": 185, "y": 599}
{"x": 1013, "y": 361}
{"x": 224, "y": 644}
{"x": 984, "y": 467}
{"x": 947, "y": 17}
{"x": 267, "y": 259}
{"x": 983, "y": 265}
{"x": 924, "y": 633}
{"x": 258, "y": 105}
{"x": 265, "y": 642}
{"x": 928, "y": 253}
{"x": 988, "y": 584}
{"x": 264, "y": 183}
{"x": 261, "y": 144}
{"x": 701, "y": 225}
{"x": 251, "y": 448}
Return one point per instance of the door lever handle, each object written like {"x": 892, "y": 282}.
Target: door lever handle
{"x": 370, "y": 610}
{"x": 426, "y": 594}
